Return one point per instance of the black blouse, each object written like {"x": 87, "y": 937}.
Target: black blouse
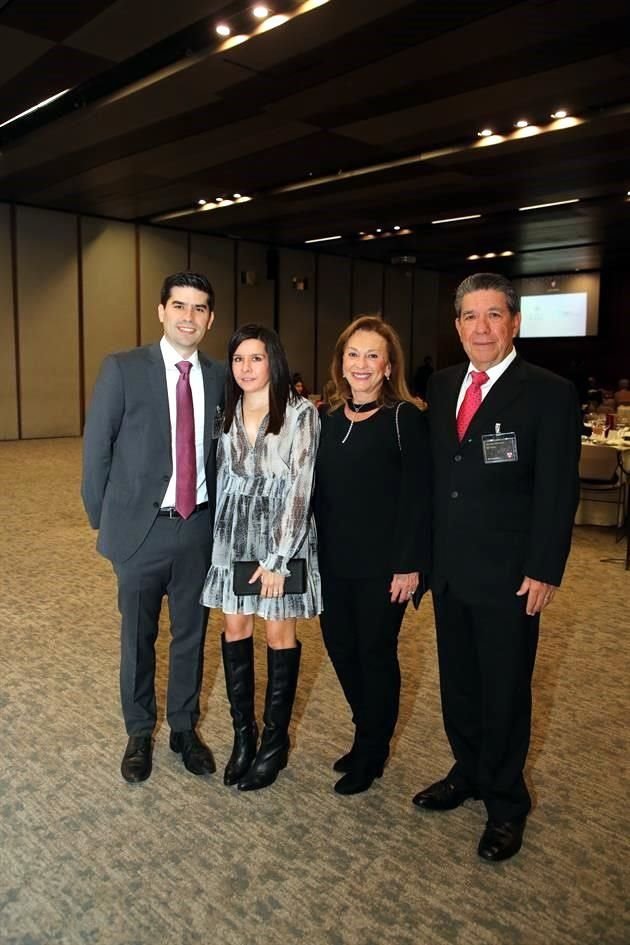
{"x": 372, "y": 496}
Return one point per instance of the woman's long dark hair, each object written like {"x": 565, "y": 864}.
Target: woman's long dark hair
{"x": 279, "y": 380}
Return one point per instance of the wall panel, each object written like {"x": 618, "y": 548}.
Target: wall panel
{"x": 108, "y": 252}
{"x": 397, "y": 308}
{"x": 255, "y": 291}
{"x": 333, "y": 309}
{"x": 296, "y": 311}
{"x": 47, "y": 288}
{"x": 215, "y": 258}
{"x": 426, "y": 288}
{"x": 162, "y": 252}
{"x": 367, "y": 288}
{"x": 8, "y": 380}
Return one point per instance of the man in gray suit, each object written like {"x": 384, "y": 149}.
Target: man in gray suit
{"x": 132, "y": 492}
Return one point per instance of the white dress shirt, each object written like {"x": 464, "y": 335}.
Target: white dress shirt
{"x": 171, "y": 358}
{"x": 494, "y": 373}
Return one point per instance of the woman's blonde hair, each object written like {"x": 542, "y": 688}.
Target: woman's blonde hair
{"x": 394, "y": 388}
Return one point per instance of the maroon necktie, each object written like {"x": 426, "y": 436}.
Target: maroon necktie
{"x": 470, "y": 403}
{"x": 186, "y": 458}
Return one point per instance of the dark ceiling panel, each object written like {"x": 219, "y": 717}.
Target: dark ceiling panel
{"x": 50, "y": 19}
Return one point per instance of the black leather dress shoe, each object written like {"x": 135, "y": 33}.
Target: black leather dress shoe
{"x": 344, "y": 764}
{"x": 196, "y": 756}
{"x": 137, "y": 761}
{"x": 360, "y": 778}
{"x": 443, "y": 795}
{"x": 500, "y": 841}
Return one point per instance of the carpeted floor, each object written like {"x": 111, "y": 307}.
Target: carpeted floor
{"x": 179, "y": 860}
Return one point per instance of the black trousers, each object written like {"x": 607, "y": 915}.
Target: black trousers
{"x": 486, "y": 656}
{"x": 360, "y": 627}
{"x": 172, "y": 561}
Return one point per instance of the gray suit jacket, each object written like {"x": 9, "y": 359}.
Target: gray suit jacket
{"x": 127, "y": 462}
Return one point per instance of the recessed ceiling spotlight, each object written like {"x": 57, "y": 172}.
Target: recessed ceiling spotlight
{"x": 237, "y": 196}
{"x": 201, "y": 201}
{"x": 361, "y": 232}
{"x": 507, "y": 252}
{"x": 555, "y": 203}
{"x": 223, "y": 29}
{"x": 471, "y": 216}
{"x": 473, "y": 256}
{"x": 521, "y": 124}
{"x": 489, "y": 255}
{"x": 378, "y": 229}
{"x": 561, "y": 113}
{"x": 218, "y": 199}
{"x": 485, "y": 133}
{"x": 396, "y": 228}
{"x": 260, "y": 12}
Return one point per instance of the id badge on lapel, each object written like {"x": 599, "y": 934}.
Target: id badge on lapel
{"x": 499, "y": 447}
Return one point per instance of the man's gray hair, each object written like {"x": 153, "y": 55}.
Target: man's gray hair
{"x": 487, "y": 280}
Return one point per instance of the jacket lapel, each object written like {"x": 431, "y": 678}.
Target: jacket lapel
{"x": 157, "y": 380}
{"x": 210, "y": 402}
{"x": 506, "y": 389}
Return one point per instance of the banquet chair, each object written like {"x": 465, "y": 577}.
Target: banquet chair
{"x": 602, "y": 480}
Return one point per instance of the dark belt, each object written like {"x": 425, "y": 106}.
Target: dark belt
{"x": 173, "y": 513}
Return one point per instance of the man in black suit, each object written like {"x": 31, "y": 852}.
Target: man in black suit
{"x": 156, "y": 528}
{"x": 505, "y": 437}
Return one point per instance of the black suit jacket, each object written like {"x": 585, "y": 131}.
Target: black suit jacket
{"x": 496, "y": 523}
{"x": 127, "y": 461}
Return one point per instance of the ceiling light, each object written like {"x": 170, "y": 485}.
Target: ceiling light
{"x": 489, "y": 255}
{"x": 272, "y": 22}
{"x": 561, "y": 113}
{"x": 218, "y": 199}
{"x": 236, "y": 196}
{"x": 201, "y": 201}
{"x": 474, "y": 256}
{"x": 521, "y": 124}
{"x": 324, "y": 239}
{"x": 223, "y": 29}
{"x": 507, "y": 252}
{"x": 471, "y": 216}
{"x": 556, "y": 203}
{"x": 378, "y": 229}
{"x": 485, "y": 133}
{"x": 260, "y": 12}
{"x": 396, "y": 227}
{"x": 34, "y": 108}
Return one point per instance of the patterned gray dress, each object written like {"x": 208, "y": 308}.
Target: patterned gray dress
{"x": 263, "y": 512}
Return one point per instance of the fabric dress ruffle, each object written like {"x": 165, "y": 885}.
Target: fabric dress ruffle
{"x": 263, "y": 513}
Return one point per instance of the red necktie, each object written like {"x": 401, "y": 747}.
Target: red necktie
{"x": 471, "y": 402}
{"x": 186, "y": 457}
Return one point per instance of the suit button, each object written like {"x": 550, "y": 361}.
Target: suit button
{"x": 454, "y": 494}
{"x": 156, "y": 505}
{"x": 458, "y": 458}
{"x": 166, "y": 478}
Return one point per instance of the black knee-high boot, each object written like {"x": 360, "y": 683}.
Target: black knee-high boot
{"x": 238, "y": 663}
{"x": 282, "y": 674}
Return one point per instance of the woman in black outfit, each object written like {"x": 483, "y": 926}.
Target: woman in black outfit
{"x": 372, "y": 512}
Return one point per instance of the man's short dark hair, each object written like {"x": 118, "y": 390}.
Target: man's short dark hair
{"x": 487, "y": 280}
{"x": 191, "y": 280}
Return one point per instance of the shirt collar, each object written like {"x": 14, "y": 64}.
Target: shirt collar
{"x": 172, "y": 357}
{"x": 494, "y": 372}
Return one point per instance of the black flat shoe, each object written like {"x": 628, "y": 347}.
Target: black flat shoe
{"x": 137, "y": 760}
{"x": 500, "y": 841}
{"x": 443, "y": 795}
{"x": 358, "y": 779}
{"x": 196, "y": 756}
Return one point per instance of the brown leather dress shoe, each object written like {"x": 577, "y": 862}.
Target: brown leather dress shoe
{"x": 137, "y": 761}
{"x": 500, "y": 841}
{"x": 443, "y": 795}
{"x": 196, "y": 756}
